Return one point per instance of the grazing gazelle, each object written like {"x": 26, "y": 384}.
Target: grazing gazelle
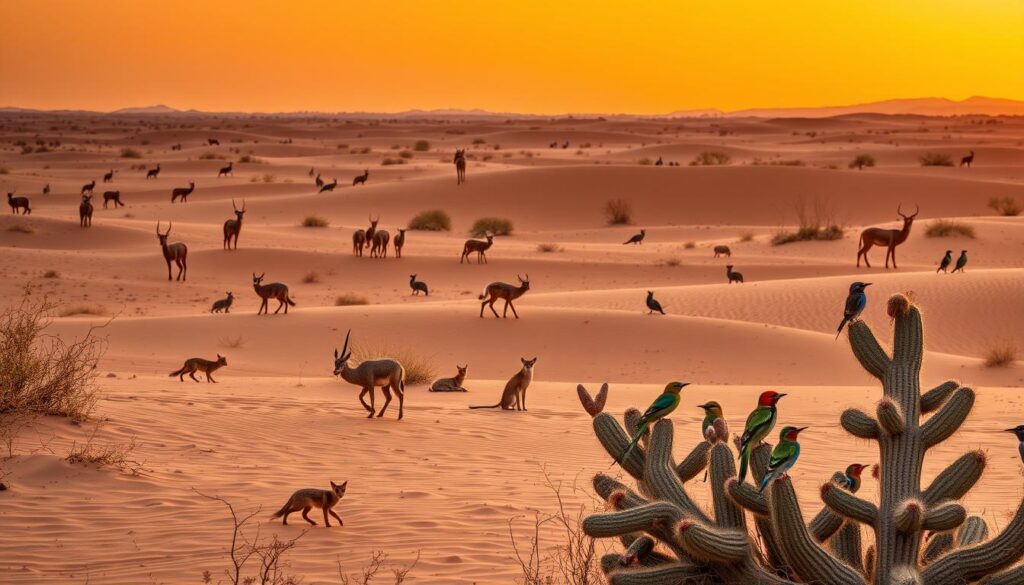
{"x": 183, "y": 192}
{"x": 460, "y": 166}
{"x": 17, "y": 203}
{"x": 225, "y": 171}
{"x": 108, "y": 177}
{"x": 503, "y": 290}
{"x": 478, "y": 246}
{"x": 152, "y": 173}
{"x": 361, "y": 179}
{"x": 358, "y": 242}
{"x": 874, "y": 236}
{"x": 274, "y": 290}
{"x": 399, "y": 242}
{"x": 85, "y": 211}
{"x": 178, "y": 252}
{"x": 380, "y": 244}
{"x": 233, "y": 227}
{"x": 386, "y": 373}
{"x": 114, "y": 196}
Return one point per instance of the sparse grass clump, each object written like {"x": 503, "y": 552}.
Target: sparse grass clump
{"x": 808, "y": 233}
{"x": 237, "y": 342}
{"x": 747, "y": 237}
{"x": 130, "y": 153}
{"x": 491, "y": 225}
{"x": 943, "y": 228}
{"x": 211, "y": 156}
{"x": 421, "y": 146}
{"x": 548, "y": 247}
{"x": 935, "y": 159}
{"x": 406, "y": 154}
{"x": 311, "y": 278}
{"x": 711, "y": 158}
{"x": 315, "y": 221}
{"x": 618, "y": 212}
{"x": 392, "y": 161}
{"x": 418, "y": 368}
{"x": 671, "y": 262}
{"x": 248, "y": 158}
{"x": 433, "y": 220}
{"x": 20, "y": 228}
{"x": 51, "y": 274}
{"x": 82, "y": 309}
{"x": 815, "y": 222}
{"x": 690, "y": 245}
{"x": 861, "y": 161}
{"x": 1000, "y": 354}
{"x": 350, "y": 299}
{"x": 116, "y": 456}
{"x": 1007, "y": 206}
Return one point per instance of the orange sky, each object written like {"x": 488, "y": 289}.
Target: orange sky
{"x": 553, "y": 56}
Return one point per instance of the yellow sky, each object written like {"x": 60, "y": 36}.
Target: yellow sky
{"x": 552, "y": 56}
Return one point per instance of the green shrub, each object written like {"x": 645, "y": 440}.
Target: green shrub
{"x": 433, "y": 220}
{"x": 491, "y": 225}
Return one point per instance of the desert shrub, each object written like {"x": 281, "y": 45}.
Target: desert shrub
{"x": 392, "y": 161}
{"x": 311, "y": 278}
{"x": 421, "y": 146}
{"x": 211, "y": 156}
{"x": 82, "y": 309}
{"x": 350, "y": 299}
{"x": 671, "y": 262}
{"x": 618, "y": 212}
{"x": 494, "y": 225}
{"x": 943, "y": 228}
{"x": 248, "y": 158}
{"x": 1007, "y": 206}
{"x": 690, "y": 245}
{"x": 116, "y": 455}
{"x": 406, "y": 154}
{"x": 51, "y": 274}
{"x": 815, "y": 221}
{"x": 418, "y": 368}
{"x": 237, "y": 342}
{"x": 1000, "y": 354}
{"x": 20, "y": 228}
{"x": 645, "y": 161}
{"x": 548, "y": 247}
{"x": 130, "y": 153}
{"x": 935, "y": 159}
{"x": 861, "y": 161}
{"x": 315, "y": 221}
{"x": 710, "y": 158}
{"x": 747, "y": 237}
{"x": 433, "y": 220}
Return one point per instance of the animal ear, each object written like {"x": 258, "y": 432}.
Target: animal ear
{"x": 333, "y": 485}
{"x": 335, "y": 353}
{"x": 523, "y": 360}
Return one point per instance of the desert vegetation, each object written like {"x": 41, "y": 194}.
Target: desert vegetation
{"x": 491, "y": 225}
{"x": 711, "y": 158}
{"x": 862, "y": 161}
{"x": 433, "y": 220}
{"x": 315, "y": 221}
{"x": 935, "y": 159}
{"x": 944, "y": 228}
{"x": 816, "y": 220}
{"x": 618, "y": 212}
{"x": 419, "y": 369}
{"x": 1006, "y": 206}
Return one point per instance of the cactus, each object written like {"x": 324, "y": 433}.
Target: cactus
{"x": 697, "y": 545}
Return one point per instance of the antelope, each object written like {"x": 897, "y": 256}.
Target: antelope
{"x": 874, "y": 236}
{"x": 225, "y": 171}
{"x": 371, "y": 230}
{"x": 18, "y": 203}
{"x": 503, "y": 290}
{"x": 114, "y": 196}
{"x": 733, "y": 276}
{"x": 183, "y": 192}
{"x": 212, "y": 142}
{"x": 233, "y": 227}
{"x": 109, "y": 177}
{"x": 361, "y": 179}
{"x": 460, "y": 166}
{"x": 418, "y": 286}
{"x": 399, "y": 242}
{"x": 380, "y": 244}
{"x": 88, "y": 187}
{"x": 46, "y": 189}
{"x": 223, "y": 304}
{"x": 386, "y": 373}
{"x": 329, "y": 186}
{"x": 479, "y": 247}
{"x": 85, "y": 211}
{"x": 723, "y": 250}
{"x": 319, "y": 181}
{"x": 178, "y": 252}
{"x": 274, "y": 290}
{"x": 152, "y": 173}
{"x": 358, "y": 242}
{"x": 967, "y": 160}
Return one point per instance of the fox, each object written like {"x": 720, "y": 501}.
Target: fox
{"x": 451, "y": 384}
{"x": 310, "y": 498}
{"x": 514, "y": 394}
{"x": 223, "y": 304}
{"x": 193, "y": 365}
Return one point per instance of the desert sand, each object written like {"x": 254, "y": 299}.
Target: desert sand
{"x": 446, "y": 481}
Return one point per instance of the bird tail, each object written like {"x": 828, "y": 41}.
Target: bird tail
{"x": 744, "y": 459}
{"x": 765, "y": 481}
{"x": 636, "y": 439}
{"x": 841, "y": 325}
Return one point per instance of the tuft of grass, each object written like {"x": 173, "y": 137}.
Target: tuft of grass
{"x": 392, "y": 161}
{"x": 82, "y": 309}
{"x": 350, "y": 299}
{"x": 311, "y": 278}
{"x": 671, "y": 262}
{"x": 494, "y": 225}
{"x": 1000, "y": 354}
{"x": 406, "y": 154}
{"x": 237, "y": 342}
{"x": 618, "y": 212}
{"x": 548, "y": 247}
{"x": 130, "y": 153}
{"x": 690, "y": 245}
{"x": 51, "y": 274}
{"x": 935, "y": 159}
{"x": 116, "y": 456}
{"x": 645, "y": 161}
{"x": 815, "y": 222}
{"x": 747, "y": 237}
{"x": 248, "y": 158}
{"x": 211, "y": 156}
{"x": 418, "y": 368}
{"x": 943, "y": 228}
{"x": 1007, "y": 206}
{"x": 433, "y": 220}
{"x": 315, "y": 221}
{"x": 20, "y": 228}
{"x": 421, "y": 146}
{"x": 862, "y": 160}
{"x": 711, "y": 158}
{"x": 808, "y": 233}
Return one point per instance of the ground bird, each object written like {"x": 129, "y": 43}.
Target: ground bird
{"x": 852, "y": 473}
{"x": 855, "y": 303}
{"x": 946, "y": 260}
{"x": 961, "y": 262}
{"x": 712, "y": 412}
{"x": 1019, "y": 431}
{"x": 660, "y": 408}
{"x": 653, "y": 305}
{"x": 760, "y": 422}
{"x": 784, "y": 455}
{"x": 637, "y": 239}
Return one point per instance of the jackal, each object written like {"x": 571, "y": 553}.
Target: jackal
{"x": 193, "y": 365}
{"x": 310, "y": 498}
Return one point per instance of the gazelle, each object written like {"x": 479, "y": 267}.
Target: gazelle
{"x": 225, "y": 171}
{"x": 503, "y": 290}
{"x": 17, "y": 203}
{"x": 178, "y": 252}
{"x": 233, "y": 227}
{"x": 399, "y": 242}
{"x": 88, "y": 187}
{"x": 274, "y": 290}
{"x": 85, "y": 211}
{"x": 874, "y": 236}
{"x": 478, "y": 246}
{"x": 183, "y": 192}
{"x": 967, "y": 160}
{"x": 329, "y": 186}
{"x": 358, "y": 242}
{"x": 152, "y": 173}
{"x": 114, "y": 196}
{"x": 386, "y": 373}
{"x": 108, "y": 177}
{"x": 361, "y": 179}
{"x": 460, "y": 166}
{"x": 380, "y": 244}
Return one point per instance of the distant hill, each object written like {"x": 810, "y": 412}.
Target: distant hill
{"x": 157, "y": 109}
{"x": 913, "y": 106}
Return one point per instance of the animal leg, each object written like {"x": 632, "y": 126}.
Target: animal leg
{"x": 305, "y": 515}
{"x": 280, "y": 304}
{"x": 492, "y": 301}
{"x": 336, "y": 517}
{"x": 284, "y": 520}
{"x": 327, "y": 521}
{"x": 168, "y": 269}
{"x": 524, "y": 399}
{"x": 192, "y": 375}
{"x": 482, "y": 305}
{"x": 509, "y": 304}
{"x": 209, "y": 378}
{"x": 373, "y": 406}
{"x": 365, "y": 405}
{"x": 401, "y": 400}
{"x": 387, "y": 400}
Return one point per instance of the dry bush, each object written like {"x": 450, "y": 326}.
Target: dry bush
{"x": 236, "y": 342}
{"x": 419, "y": 369}
{"x": 548, "y": 247}
{"x": 368, "y": 572}
{"x": 935, "y": 159}
{"x": 211, "y": 156}
{"x": 311, "y": 278}
{"x": 1000, "y": 354}
{"x": 42, "y": 373}
{"x": 315, "y": 221}
{"x": 392, "y": 161}
{"x": 51, "y": 274}
{"x": 618, "y": 212}
{"x": 861, "y": 161}
{"x": 710, "y": 158}
{"x": 20, "y": 228}
{"x": 421, "y": 146}
{"x": 942, "y": 228}
{"x": 816, "y": 220}
{"x": 248, "y": 158}
{"x": 433, "y": 220}
{"x": 116, "y": 456}
{"x": 82, "y": 309}
{"x": 349, "y": 299}
{"x": 406, "y": 154}
{"x": 671, "y": 262}
{"x": 491, "y": 225}
{"x": 1007, "y": 206}
{"x": 690, "y": 245}
{"x": 747, "y": 237}
{"x": 130, "y": 153}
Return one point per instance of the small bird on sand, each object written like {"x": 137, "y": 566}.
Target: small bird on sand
{"x": 784, "y": 455}
{"x": 652, "y": 304}
{"x": 961, "y": 262}
{"x": 852, "y": 473}
{"x": 637, "y": 239}
{"x": 760, "y": 422}
{"x": 1019, "y": 431}
{"x": 946, "y": 261}
{"x": 855, "y": 303}
{"x": 660, "y": 408}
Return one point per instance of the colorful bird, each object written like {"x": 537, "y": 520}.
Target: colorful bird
{"x": 712, "y": 412}
{"x": 784, "y": 455}
{"x": 852, "y": 482}
{"x": 961, "y": 262}
{"x": 652, "y": 304}
{"x": 760, "y": 422}
{"x": 946, "y": 261}
{"x": 855, "y": 303}
{"x": 660, "y": 408}
{"x": 1019, "y": 431}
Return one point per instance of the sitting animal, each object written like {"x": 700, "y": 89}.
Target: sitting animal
{"x": 451, "y": 384}
{"x": 732, "y": 275}
{"x": 193, "y": 365}
{"x": 514, "y": 395}
{"x": 310, "y": 498}
{"x": 223, "y": 304}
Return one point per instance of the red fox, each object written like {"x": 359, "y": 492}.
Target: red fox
{"x": 308, "y": 499}
{"x": 193, "y": 365}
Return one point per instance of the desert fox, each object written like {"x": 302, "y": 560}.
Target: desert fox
{"x": 451, "y": 384}
{"x": 310, "y": 498}
{"x": 515, "y": 389}
{"x": 193, "y": 365}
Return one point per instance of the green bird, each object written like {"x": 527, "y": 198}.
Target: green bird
{"x": 712, "y": 411}
{"x": 759, "y": 424}
{"x": 784, "y": 455}
{"x": 660, "y": 408}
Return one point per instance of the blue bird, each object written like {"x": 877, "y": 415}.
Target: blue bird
{"x": 1019, "y": 431}
{"x": 855, "y": 303}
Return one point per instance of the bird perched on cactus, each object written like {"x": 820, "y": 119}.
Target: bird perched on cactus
{"x": 712, "y": 412}
{"x": 961, "y": 262}
{"x": 946, "y": 261}
{"x": 784, "y": 455}
{"x": 852, "y": 473}
{"x": 653, "y": 305}
{"x": 855, "y": 303}
{"x": 660, "y": 408}
{"x": 760, "y": 422}
{"x": 1019, "y": 431}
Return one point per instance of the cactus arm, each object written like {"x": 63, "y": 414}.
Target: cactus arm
{"x": 660, "y": 475}
{"x": 747, "y": 497}
{"x": 641, "y": 518}
{"x": 713, "y": 544}
{"x": 825, "y": 524}
{"x": 593, "y": 406}
{"x": 957, "y": 479}
{"x": 694, "y": 463}
{"x": 847, "y": 546}
{"x": 909, "y": 516}
{"x": 938, "y": 545}
{"x": 676, "y": 574}
{"x": 971, "y": 563}
{"x": 945, "y": 516}
{"x": 610, "y": 488}
{"x": 933, "y": 399}
{"x": 908, "y": 339}
{"x": 890, "y": 417}
{"x": 614, "y": 440}
{"x": 868, "y": 351}
{"x": 848, "y": 505}
{"x": 727, "y": 513}
{"x": 973, "y": 531}
{"x": 1013, "y": 576}
{"x": 859, "y": 424}
{"x": 948, "y": 419}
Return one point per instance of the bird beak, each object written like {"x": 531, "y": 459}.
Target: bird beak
{"x": 1009, "y": 430}
{"x": 802, "y": 429}
{"x": 867, "y": 284}
{"x": 702, "y": 406}
{"x": 777, "y": 396}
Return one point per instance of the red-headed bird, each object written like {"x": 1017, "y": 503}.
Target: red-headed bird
{"x": 759, "y": 424}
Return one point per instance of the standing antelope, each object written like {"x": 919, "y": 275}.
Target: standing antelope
{"x": 17, "y": 203}
{"x": 371, "y": 230}
{"x": 479, "y": 247}
{"x": 109, "y": 177}
{"x": 380, "y": 244}
{"x": 358, "y": 242}
{"x": 399, "y": 242}
{"x": 233, "y": 227}
{"x": 152, "y": 173}
{"x": 85, "y": 211}
{"x": 460, "y": 166}
{"x": 967, "y": 160}
{"x": 274, "y": 290}
{"x": 874, "y": 236}
{"x": 386, "y": 373}
{"x": 329, "y": 186}
{"x": 178, "y": 252}
{"x": 114, "y": 196}
{"x": 225, "y": 171}
{"x": 183, "y": 192}
{"x": 361, "y": 179}
{"x": 88, "y": 187}
{"x": 503, "y": 290}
